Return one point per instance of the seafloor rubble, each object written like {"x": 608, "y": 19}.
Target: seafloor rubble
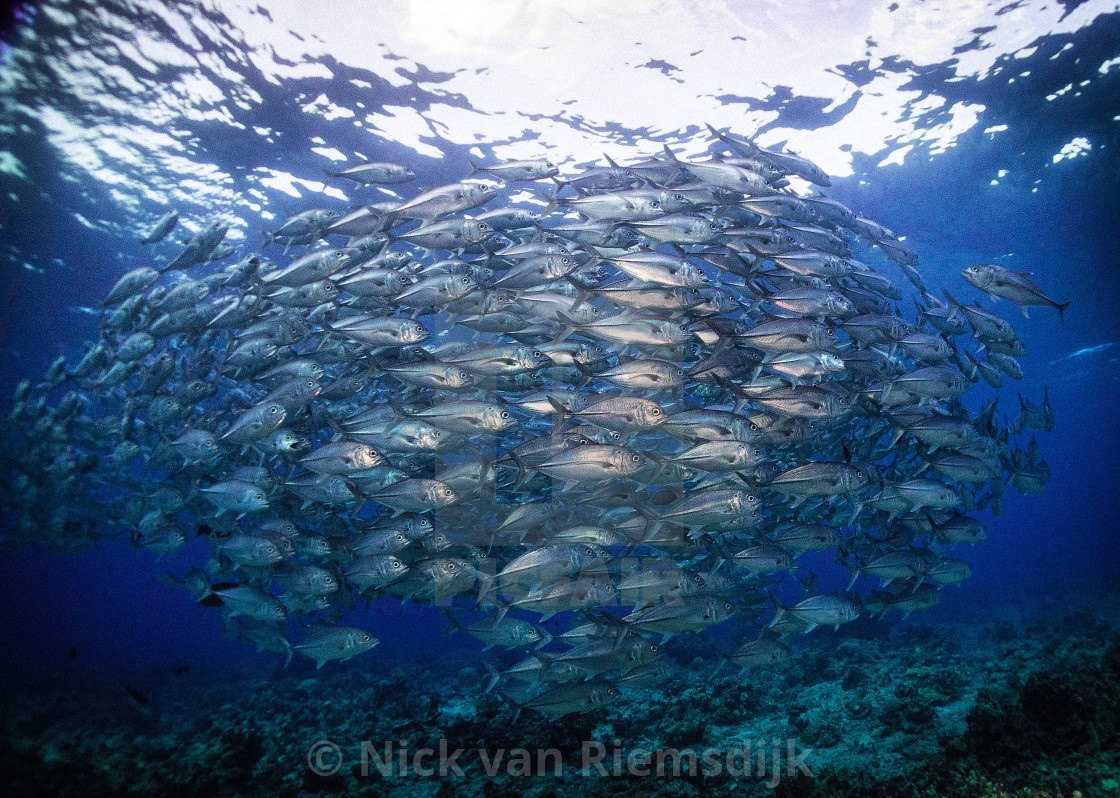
{"x": 1023, "y": 708}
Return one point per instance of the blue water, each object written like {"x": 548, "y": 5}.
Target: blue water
{"x": 98, "y": 142}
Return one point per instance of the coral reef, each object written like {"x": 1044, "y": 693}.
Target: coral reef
{"x": 910, "y": 710}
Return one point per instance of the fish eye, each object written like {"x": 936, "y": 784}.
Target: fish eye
{"x": 311, "y": 383}
{"x": 655, "y": 204}
{"x": 435, "y": 433}
{"x": 396, "y": 564}
{"x": 655, "y": 411}
{"x": 713, "y": 225}
{"x": 750, "y": 499}
{"x": 598, "y": 349}
{"x": 270, "y": 549}
{"x": 419, "y": 328}
{"x": 260, "y": 497}
{"x": 447, "y": 491}
{"x": 974, "y": 268}
{"x": 403, "y": 279}
{"x": 635, "y": 458}
{"x": 466, "y": 280}
{"x": 653, "y": 647}
{"x": 366, "y": 638}
{"x": 328, "y": 579}
{"x": 678, "y": 196}
{"x": 537, "y": 354}
{"x": 505, "y": 414}
{"x": 859, "y": 474}
{"x": 273, "y": 410}
{"x": 462, "y": 375}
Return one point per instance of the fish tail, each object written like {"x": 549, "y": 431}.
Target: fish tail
{"x": 752, "y": 268}
{"x": 583, "y": 369}
{"x": 582, "y": 296}
{"x": 855, "y": 575}
{"x": 494, "y": 677}
{"x": 562, "y": 414}
{"x": 1061, "y": 306}
{"x": 775, "y": 601}
{"x": 503, "y": 608}
{"x": 553, "y": 200}
{"x": 919, "y": 312}
{"x": 333, "y": 423}
{"x": 522, "y": 470}
{"x": 546, "y": 638}
{"x": 721, "y": 658}
{"x": 653, "y": 522}
{"x": 513, "y": 703}
{"x": 710, "y": 541}
{"x": 486, "y": 584}
{"x": 661, "y": 462}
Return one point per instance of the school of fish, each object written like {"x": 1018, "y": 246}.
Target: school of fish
{"x": 629, "y": 397}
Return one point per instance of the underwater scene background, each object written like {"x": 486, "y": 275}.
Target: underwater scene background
{"x": 979, "y": 133}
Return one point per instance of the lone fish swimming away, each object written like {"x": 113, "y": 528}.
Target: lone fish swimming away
{"x": 1018, "y": 287}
